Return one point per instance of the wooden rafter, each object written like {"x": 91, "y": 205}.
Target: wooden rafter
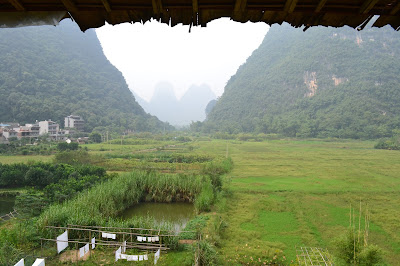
{"x": 336, "y": 13}
{"x": 290, "y": 5}
{"x": 395, "y": 9}
{"x": 239, "y": 9}
{"x": 106, "y": 5}
{"x": 240, "y": 5}
{"x": 367, "y": 6}
{"x": 17, "y": 4}
{"x": 195, "y": 15}
{"x": 195, "y": 4}
{"x": 320, "y": 5}
{"x": 71, "y": 7}
{"x": 157, "y": 6}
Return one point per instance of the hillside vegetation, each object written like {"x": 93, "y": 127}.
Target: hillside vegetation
{"x": 50, "y": 72}
{"x": 324, "y": 82}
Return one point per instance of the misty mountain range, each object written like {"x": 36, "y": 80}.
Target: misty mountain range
{"x": 165, "y": 105}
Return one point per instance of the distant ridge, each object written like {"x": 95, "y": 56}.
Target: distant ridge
{"x": 324, "y": 82}
{"x": 191, "y": 107}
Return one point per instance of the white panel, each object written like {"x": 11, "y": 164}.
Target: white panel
{"x": 20, "y": 263}
{"x": 62, "y": 241}
{"x": 38, "y": 262}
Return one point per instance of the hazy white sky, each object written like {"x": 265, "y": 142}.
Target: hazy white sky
{"x": 153, "y": 52}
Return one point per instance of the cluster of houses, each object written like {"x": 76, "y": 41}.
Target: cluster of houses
{"x": 72, "y": 123}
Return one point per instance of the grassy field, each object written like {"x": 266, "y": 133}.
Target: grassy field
{"x": 298, "y": 193}
{"x": 9, "y": 159}
{"x": 288, "y": 193}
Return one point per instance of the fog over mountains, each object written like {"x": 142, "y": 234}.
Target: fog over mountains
{"x": 165, "y": 105}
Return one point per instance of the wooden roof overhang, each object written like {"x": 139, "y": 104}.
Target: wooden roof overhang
{"x": 94, "y": 13}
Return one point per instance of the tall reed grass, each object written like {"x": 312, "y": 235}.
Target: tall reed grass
{"x": 108, "y": 199}
{"x": 102, "y": 204}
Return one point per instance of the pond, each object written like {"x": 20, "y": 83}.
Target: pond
{"x": 6, "y": 204}
{"x": 177, "y": 213}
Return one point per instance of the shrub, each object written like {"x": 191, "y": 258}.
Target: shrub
{"x": 215, "y": 170}
{"x": 194, "y": 227}
{"x": 30, "y": 204}
{"x": 38, "y": 177}
{"x": 206, "y": 253}
{"x": 95, "y": 137}
{"x": 9, "y": 254}
{"x": 353, "y": 251}
{"x": 41, "y": 174}
{"x": 63, "y": 146}
{"x": 206, "y": 198}
{"x": 388, "y": 144}
{"x": 12, "y": 175}
{"x": 73, "y": 157}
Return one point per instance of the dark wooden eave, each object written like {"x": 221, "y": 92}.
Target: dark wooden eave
{"x": 94, "y": 13}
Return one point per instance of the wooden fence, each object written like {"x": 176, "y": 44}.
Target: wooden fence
{"x": 9, "y": 216}
{"x": 122, "y": 234}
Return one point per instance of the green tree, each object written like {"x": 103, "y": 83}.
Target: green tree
{"x": 95, "y": 137}
{"x": 38, "y": 177}
{"x": 64, "y": 71}
{"x": 318, "y": 83}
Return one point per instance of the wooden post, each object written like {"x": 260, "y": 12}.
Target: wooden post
{"x": 90, "y": 242}
{"x": 123, "y": 241}
{"x": 160, "y": 238}
{"x": 130, "y": 230}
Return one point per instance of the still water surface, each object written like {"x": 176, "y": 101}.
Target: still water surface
{"x": 6, "y": 204}
{"x": 176, "y": 213}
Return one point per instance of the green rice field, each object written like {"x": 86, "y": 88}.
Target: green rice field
{"x": 298, "y": 193}
{"x": 283, "y": 193}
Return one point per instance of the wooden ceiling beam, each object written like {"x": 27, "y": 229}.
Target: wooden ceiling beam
{"x": 290, "y": 5}
{"x": 395, "y": 9}
{"x": 106, "y": 5}
{"x": 239, "y": 9}
{"x": 240, "y": 6}
{"x": 17, "y": 4}
{"x": 195, "y": 5}
{"x": 157, "y": 6}
{"x": 367, "y": 6}
{"x": 195, "y": 14}
{"x": 71, "y": 7}
{"x": 320, "y": 5}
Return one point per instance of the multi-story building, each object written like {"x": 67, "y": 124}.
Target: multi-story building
{"x": 51, "y": 128}
{"x": 48, "y": 127}
{"x": 10, "y": 133}
{"x": 3, "y": 139}
{"x": 29, "y": 131}
{"x": 74, "y": 121}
